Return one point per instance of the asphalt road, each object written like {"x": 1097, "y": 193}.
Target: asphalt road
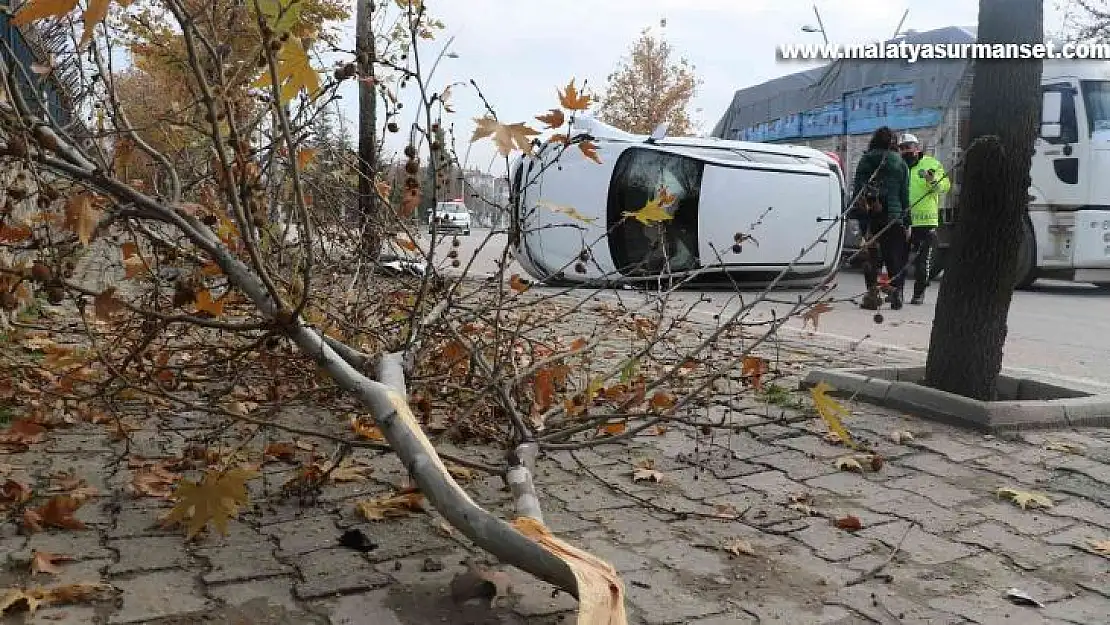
{"x": 1059, "y": 328}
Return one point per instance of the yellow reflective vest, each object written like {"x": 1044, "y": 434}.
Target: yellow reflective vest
{"x": 925, "y": 197}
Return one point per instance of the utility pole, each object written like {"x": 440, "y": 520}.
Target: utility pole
{"x": 367, "y": 125}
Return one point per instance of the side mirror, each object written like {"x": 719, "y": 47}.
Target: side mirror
{"x": 659, "y": 133}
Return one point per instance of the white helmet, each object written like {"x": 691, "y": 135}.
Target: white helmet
{"x": 909, "y": 138}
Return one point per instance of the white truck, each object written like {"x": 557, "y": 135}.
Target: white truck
{"x": 735, "y": 211}
{"x": 835, "y": 108}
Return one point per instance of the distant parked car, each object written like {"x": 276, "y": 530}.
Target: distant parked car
{"x": 450, "y": 216}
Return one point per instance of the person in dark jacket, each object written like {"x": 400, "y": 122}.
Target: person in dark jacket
{"x": 882, "y": 184}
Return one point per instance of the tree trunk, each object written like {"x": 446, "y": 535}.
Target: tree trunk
{"x": 367, "y": 125}
{"x": 969, "y": 328}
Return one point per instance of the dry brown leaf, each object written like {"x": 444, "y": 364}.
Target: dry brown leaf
{"x": 154, "y": 481}
{"x": 23, "y": 432}
{"x": 14, "y": 493}
{"x": 553, "y": 118}
{"x": 364, "y": 428}
{"x": 16, "y": 599}
{"x": 662, "y": 400}
{"x": 106, "y": 305}
{"x": 813, "y": 315}
{"x": 57, "y": 512}
{"x": 803, "y": 508}
{"x": 517, "y": 283}
{"x": 1101, "y": 547}
{"x": 82, "y": 216}
{"x": 614, "y": 429}
{"x": 461, "y": 473}
{"x": 849, "y": 523}
{"x": 44, "y": 562}
{"x": 205, "y": 304}
{"x": 349, "y": 470}
{"x": 573, "y": 100}
{"x": 752, "y": 369}
{"x": 285, "y": 452}
{"x": 739, "y": 547}
{"x": 389, "y": 506}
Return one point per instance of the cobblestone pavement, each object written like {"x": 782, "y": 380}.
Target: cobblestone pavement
{"x": 959, "y": 547}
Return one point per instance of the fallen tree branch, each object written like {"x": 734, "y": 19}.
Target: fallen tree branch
{"x": 875, "y": 570}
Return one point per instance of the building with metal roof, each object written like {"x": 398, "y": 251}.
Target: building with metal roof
{"x": 851, "y": 96}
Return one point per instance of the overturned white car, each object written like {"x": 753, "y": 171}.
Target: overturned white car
{"x": 718, "y": 211}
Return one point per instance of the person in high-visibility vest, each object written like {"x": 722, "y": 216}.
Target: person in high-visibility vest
{"x": 928, "y": 182}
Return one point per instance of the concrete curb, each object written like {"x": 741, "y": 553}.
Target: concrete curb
{"x": 1026, "y": 405}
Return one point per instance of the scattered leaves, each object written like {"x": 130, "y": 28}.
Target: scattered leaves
{"x": 831, "y": 411}
{"x": 215, "y": 499}
{"x": 1025, "y": 498}
{"x": 388, "y": 506}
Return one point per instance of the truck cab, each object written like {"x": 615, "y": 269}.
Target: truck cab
{"x": 1068, "y": 230}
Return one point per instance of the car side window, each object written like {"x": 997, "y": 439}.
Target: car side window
{"x": 1069, "y": 122}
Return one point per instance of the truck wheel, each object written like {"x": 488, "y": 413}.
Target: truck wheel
{"x": 1027, "y": 257}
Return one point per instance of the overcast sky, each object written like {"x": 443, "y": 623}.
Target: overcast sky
{"x": 520, "y": 51}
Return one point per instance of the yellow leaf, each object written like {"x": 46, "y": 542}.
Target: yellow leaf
{"x": 1068, "y": 448}
{"x": 215, "y": 499}
{"x": 82, "y": 216}
{"x": 831, "y": 411}
{"x": 1025, "y": 498}
{"x": 294, "y": 72}
{"x": 506, "y": 137}
{"x": 281, "y": 16}
{"x": 572, "y": 100}
{"x": 654, "y": 211}
{"x": 15, "y": 598}
{"x": 38, "y": 9}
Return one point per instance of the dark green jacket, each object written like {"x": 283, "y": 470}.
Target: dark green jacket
{"x": 893, "y": 181}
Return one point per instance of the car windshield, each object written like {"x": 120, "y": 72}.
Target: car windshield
{"x": 1096, "y": 97}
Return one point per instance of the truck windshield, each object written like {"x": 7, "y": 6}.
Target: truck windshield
{"x": 1096, "y": 98}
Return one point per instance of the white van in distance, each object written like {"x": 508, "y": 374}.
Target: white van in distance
{"x": 740, "y": 212}
{"x": 452, "y": 216}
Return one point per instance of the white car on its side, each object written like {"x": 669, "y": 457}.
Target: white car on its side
{"x": 450, "y": 216}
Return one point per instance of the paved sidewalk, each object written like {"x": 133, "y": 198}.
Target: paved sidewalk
{"x": 960, "y": 547}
